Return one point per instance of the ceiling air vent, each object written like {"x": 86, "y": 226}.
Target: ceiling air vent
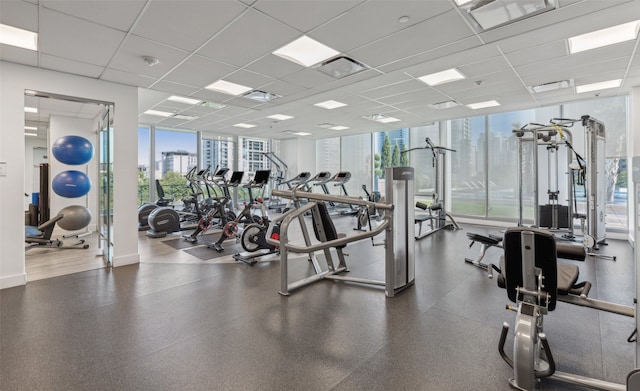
{"x": 340, "y": 67}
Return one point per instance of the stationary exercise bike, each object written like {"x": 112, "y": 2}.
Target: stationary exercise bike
{"x": 245, "y": 217}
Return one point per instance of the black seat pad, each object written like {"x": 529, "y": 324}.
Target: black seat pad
{"x": 483, "y": 239}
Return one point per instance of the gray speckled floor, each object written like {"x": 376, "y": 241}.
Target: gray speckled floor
{"x": 224, "y": 327}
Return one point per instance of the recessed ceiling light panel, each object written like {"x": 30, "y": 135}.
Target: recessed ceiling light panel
{"x": 603, "y": 85}
{"x": 246, "y": 126}
{"x": 185, "y": 117}
{"x": 261, "y": 96}
{"x": 306, "y": 51}
{"x": 385, "y": 119}
{"x": 330, "y": 104}
{"x": 14, "y": 36}
{"x": 326, "y": 125}
{"x": 442, "y": 77}
{"x": 483, "y": 105}
{"x": 227, "y": 87}
{"x": 158, "y": 113}
{"x": 30, "y": 128}
{"x": 444, "y": 105}
{"x": 609, "y": 36}
{"x": 339, "y": 127}
{"x": 31, "y": 110}
{"x": 182, "y": 99}
{"x": 280, "y": 117}
{"x": 551, "y": 86}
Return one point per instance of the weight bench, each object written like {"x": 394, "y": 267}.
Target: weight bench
{"x": 493, "y": 240}
{"x": 436, "y": 207}
{"x": 564, "y": 250}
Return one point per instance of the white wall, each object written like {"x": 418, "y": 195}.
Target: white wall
{"x": 15, "y": 80}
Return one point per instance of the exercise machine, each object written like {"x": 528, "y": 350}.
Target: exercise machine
{"x": 535, "y": 282}
{"x": 245, "y": 217}
{"x": 40, "y": 236}
{"x": 278, "y": 174}
{"x": 587, "y": 172}
{"x": 254, "y": 239}
{"x": 340, "y": 180}
{"x": 220, "y": 214}
{"x": 397, "y": 224}
{"x": 145, "y": 209}
{"x": 437, "y": 215}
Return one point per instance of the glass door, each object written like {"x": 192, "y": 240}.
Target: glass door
{"x": 105, "y": 202}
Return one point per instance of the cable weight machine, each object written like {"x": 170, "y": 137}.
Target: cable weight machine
{"x": 438, "y": 205}
{"x": 579, "y": 171}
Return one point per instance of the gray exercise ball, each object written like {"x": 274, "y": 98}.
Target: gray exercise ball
{"x": 76, "y": 217}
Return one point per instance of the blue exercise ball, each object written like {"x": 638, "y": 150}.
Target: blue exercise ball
{"x": 73, "y": 150}
{"x": 71, "y": 184}
{"x": 76, "y": 217}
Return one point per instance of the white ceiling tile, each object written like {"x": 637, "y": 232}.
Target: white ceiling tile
{"x": 274, "y": 66}
{"x": 76, "y": 39}
{"x": 127, "y": 78}
{"x": 119, "y": 15}
{"x": 18, "y": 55}
{"x": 376, "y": 20}
{"x": 308, "y": 78}
{"x": 402, "y": 87}
{"x": 441, "y": 30}
{"x": 130, "y": 57}
{"x": 248, "y": 38}
{"x": 174, "y": 88}
{"x": 19, "y": 14}
{"x": 68, "y": 66}
{"x": 199, "y": 71}
{"x": 186, "y": 24}
{"x": 305, "y": 15}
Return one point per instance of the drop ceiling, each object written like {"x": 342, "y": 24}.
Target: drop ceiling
{"x": 200, "y": 42}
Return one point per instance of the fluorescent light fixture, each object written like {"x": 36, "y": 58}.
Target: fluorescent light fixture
{"x": 158, "y": 113}
{"x": 185, "y": 117}
{"x": 493, "y": 13}
{"x": 14, "y": 36}
{"x": 462, "y": 2}
{"x": 31, "y": 134}
{"x": 326, "y": 125}
{"x": 551, "y": 86}
{"x": 609, "y": 36}
{"x": 306, "y": 51}
{"x": 182, "y": 99}
{"x": 302, "y": 134}
{"x": 483, "y": 105}
{"x": 213, "y": 105}
{"x": 226, "y": 87}
{"x": 341, "y": 67}
{"x": 388, "y": 119}
{"x": 444, "y": 105}
{"x": 246, "y": 126}
{"x": 330, "y": 104}
{"x": 261, "y": 96}
{"x": 280, "y": 117}
{"x": 442, "y": 77}
{"x": 31, "y": 110}
{"x": 339, "y": 127}
{"x": 603, "y": 85}
{"x": 30, "y": 128}
{"x": 385, "y": 119}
